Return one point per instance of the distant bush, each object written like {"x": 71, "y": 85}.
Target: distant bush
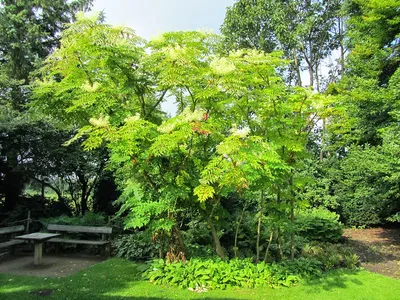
{"x": 319, "y": 224}
{"x": 89, "y": 219}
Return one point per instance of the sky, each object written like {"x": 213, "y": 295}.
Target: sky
{"x": 149, "y": 18}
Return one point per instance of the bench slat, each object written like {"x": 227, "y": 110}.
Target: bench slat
{"x": 83, "y": 242}
{"x": 81, "y": 229}
{"x": 12, "y": 229}
{"x": 11, "y": 243}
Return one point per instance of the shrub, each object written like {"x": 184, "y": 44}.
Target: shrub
{"x": 89, "y": 219}
{"x": 134, "y": 246}
{"x": 319, "y": 224}
{"x": 218, "y": 274}
{"x": 332, "y": 256}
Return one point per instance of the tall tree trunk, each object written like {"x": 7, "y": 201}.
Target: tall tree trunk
{"x": 84, "y": 192}
{"x": 291, "y": 217}
{"x": 84, "y": 199}
{"x": 341, "y": 47}
{"x": 179, "y": 245}
{"x": 317, "y": 83}
{"x": 217, "y": 244}
{"x": 291, "y": 232}
{"x": 238, "y": 223}
{"x": 42, "y": 194}
{"x": 271, "y": 236}
{"x": 259, "y": 227}
{"x": 321, "y": 152}
{"x": 13, "y": 186}
{"x": 297, "y": 68}
{"x": 311, "y": 72}
{"x": 279, "y": 237}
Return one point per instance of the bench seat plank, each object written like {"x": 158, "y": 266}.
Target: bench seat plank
{"x": 12, "y": 229}
{"x": 11, "y": 243}
{"x": 81, "y": 229}
{"x": 83, "y": 242}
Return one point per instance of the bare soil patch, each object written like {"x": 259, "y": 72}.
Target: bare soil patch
{"x": 378, "y": 248}
{"x": 52, "y": 265}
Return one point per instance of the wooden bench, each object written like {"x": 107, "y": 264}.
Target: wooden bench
{"x": 104, "y": 231}
{"x": 11, "y": 231}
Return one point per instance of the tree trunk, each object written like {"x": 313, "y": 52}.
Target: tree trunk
{"x": 239, "y": 222}
{"x": 321, "y": 152}
{"x": 271, "y": 236}
{"x": 280, "y": 242}
{"x": 12, "y": 189}
{"x": 84, "y": 206}
{"x": 217, "y": 244}
{"x": 84, "y": 193}
{"x": 311, "y": 72}
{"x": 297, "y": 68}
{"x": 291, "y": 231}
{"x": 259, "y": 227}
{"x": 177, "y": 246}
{"x": 291, "y": 218}
{"x": 278, "y": 200}
{"x": 42, "y": 194}
{"x": 341, "y": 47}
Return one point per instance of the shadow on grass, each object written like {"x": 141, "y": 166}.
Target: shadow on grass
{"x": 338, "y": 279}
{"x": 113, "y": 279}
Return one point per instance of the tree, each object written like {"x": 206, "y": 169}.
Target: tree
{"x": 304, "y": 30}
{"x": 238, "y": 127}
{"x": 363, "y": 125}
{"x": 29, "y": 31}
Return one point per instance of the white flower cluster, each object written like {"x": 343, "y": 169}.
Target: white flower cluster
{"x": 90, "y": 87}
{"x": 189, "y": 116}
{"x": 167, "y": 127}
{"x": 174, "y": 52}
{"x": 100, "y": 122}
{"x": 222, "y": 66}
{"x": 242, "y": 133}
{"x": 132, "y": 118}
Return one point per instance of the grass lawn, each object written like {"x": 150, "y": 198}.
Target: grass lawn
{"x": 118, "y": 279}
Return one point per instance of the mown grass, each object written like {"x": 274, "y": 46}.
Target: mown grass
{"x": 119, "y": 279}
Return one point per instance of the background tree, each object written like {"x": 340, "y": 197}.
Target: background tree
{"x": 29, "y": 31}
{"x": 363, "y": 126}
{"x": 304, "y": 30}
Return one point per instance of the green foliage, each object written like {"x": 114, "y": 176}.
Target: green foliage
{"x": 91, "y": 74}
{"x": 307, "y": 31}
{"x": 319, "y": 224}
{"x": 332, "y": 256}
{"x": 119, "y": 278}
{"x": 394, "y": 218}
{"x": 29, "y": 31}
{"x": 89, "y": 219}
{"x": 134, "y": 246}
{"x": 218, "y": 274}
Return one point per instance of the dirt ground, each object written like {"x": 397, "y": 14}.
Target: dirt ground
{"x": 52, "y": 265}
{"x": 378, "y": 248}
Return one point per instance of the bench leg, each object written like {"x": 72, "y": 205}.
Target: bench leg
{"x": 38, "y": 254}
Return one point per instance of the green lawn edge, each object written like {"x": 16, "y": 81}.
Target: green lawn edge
{"x": 118, "y": 279}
